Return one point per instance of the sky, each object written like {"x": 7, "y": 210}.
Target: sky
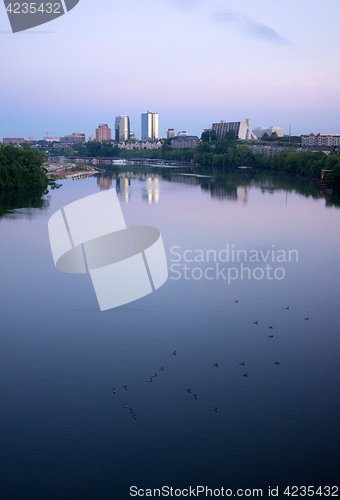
{"x": 194, "y": 62}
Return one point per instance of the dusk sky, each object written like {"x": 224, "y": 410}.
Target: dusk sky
{"x": 194, "y": 62}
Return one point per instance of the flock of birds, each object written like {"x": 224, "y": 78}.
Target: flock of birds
{"x": 215, "y": 365}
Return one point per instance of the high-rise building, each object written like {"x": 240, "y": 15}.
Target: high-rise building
{"x": 149, "y": 126}
{"x": 242, "y": 129}
{"x": 103, "y": 133}
{"x": 122, "y": 128}
{"x": 170, "y": 133}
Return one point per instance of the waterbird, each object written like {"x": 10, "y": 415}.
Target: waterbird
{"x": 134, "y": 416}
{"x": 189, "y": 390}
{"x": 269, "y": 336}
{"x": 276, "y": 363}
{"x": 216, "y": 409}
{"x": 255, "y": 322}
{"x": 242, "y": 364}
{"x": 149, "y": 380}
{"x": 287, "y": 307}
{"x": 130, "y": 410}
{"x": 114, "y": 391}
{"x": 270, "y": 327}
{"x": 161, "y": 368}
{"x": 173, "y": 353}
{"x": 306, "y": 318}
{"x": 245, "y": 375}
{"x": 154, "y": 375}
{"x": 124, "y": 406}
{"x": 236, "y": 301}
{"x": 125, "y": 387}
{"x": 195, "y": 396}
{"x": 216, "y": 364}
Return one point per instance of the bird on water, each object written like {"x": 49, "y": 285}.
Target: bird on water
{"x": 173, "y": 353}
{"x": 216, "y": 364}
{"x": 125, "y": 387}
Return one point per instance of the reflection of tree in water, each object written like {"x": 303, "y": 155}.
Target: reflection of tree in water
{"x": 333, "y": 200}
{"x": 25, "y": 200}
{"x": 232, "y": 183}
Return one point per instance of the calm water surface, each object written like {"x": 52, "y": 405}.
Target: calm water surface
{"x": 64, "y": 435}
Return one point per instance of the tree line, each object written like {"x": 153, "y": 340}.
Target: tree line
{"x": 227, "y": 152}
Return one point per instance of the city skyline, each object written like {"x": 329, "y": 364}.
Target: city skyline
{"x": 255, "y": 60}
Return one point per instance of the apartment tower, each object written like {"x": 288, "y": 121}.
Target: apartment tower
{"x": 149, "y": 126}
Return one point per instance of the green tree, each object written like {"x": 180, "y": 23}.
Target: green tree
{"x": 208, "y": 136}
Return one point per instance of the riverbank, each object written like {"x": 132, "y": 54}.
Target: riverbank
{"x": 67, "y": 170}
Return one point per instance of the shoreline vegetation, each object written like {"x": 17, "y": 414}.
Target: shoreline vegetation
{"x": 226, "y": 153}
{"x": 22, "y": 168}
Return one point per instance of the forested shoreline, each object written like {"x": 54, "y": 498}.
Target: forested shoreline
{"x": 228, "y": 153}
{"x": 22, "y": 168}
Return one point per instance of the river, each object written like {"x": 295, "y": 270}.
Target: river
{"x": 245, "y": 252}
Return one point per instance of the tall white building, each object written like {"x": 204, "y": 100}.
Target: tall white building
{"x": 242, "y": 129}
{"x": 260, "y": 131}
{"x": 149, "y": 126}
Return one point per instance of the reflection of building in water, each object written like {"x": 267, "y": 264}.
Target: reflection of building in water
{"x": 221, "y": 193}
{"x": 123, "y": 188}
{"x": 150, "y": 193}
{"x": 124, "y": 180}
{"x": 183, "y": 179}
{"x": 240, "y": 193}
{"x": 243, "y": 194}
{"x": 104, "y": 182}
